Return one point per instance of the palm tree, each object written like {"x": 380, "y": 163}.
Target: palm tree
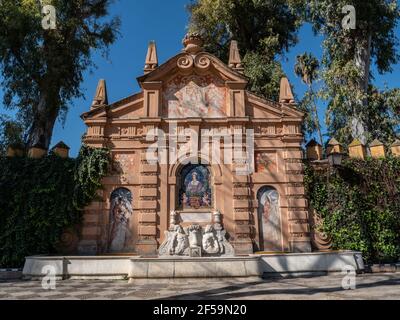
{"x": 306, "y": 68}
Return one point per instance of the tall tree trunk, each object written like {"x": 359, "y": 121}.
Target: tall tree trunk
{"x": 44, "y": 119}
{"x": 363, "y": 63}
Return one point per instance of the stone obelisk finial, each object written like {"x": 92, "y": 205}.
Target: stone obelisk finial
{"x": 101, "y": 97}
{"x": 193, "y": 43}
{"x": 235, "y": 62}
{"x": 286, "y": 94}
{"x": 151, "y": 58}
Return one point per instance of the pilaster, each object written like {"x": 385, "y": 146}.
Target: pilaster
{"x": 148, "y": 205}
{"x": 299, "y": 228}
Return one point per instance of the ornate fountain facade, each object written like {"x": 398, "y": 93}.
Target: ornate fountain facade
{"x": 166, "y": 195}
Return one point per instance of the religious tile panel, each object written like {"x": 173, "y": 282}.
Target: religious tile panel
{"x": 195, "y": 96}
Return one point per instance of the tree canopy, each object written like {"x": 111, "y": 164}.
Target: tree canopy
{"x": 42, "y": 67}
{"x": 307, "y": 67}
{"x": 263, "y": 29}
{"x": 266, "y": 29}
{"x": 356, "y": 108}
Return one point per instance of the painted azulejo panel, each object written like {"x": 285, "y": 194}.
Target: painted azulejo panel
{"x": 195, "y": 96}
{"x": 266, "y": 162}
{"x": 124, "y": 163}
{"x": 195, "y": 190}
{"x": 270, "y": 219}
{"x": 120, "y": 235}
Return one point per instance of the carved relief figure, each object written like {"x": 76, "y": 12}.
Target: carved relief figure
{"x": 210, "y": 241}
{"x": 195, "y": 96}
{"x": 226, "y": 247}
{"x": 176, "y": 243}
{"x": 270, "y": 219}
{"x": 182, "y": 242}
{"x": 167, "y": 247}
{"x": 194, "y": 236}
{"x": 120, "y": 215}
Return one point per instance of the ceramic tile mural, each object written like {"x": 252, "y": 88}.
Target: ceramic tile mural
{"x": 270, "y": 219}
{"x": 124, "y": 163}
{"x": 266, "y": 162}
{"x": 195, "y": 187}
{"x": 120, "y": 215}
{"x": 195, "y": 96}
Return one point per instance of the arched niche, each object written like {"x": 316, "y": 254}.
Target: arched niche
{"x": 215, "y": 169}
{"x": 120, "y": 217}
{"x": 269, "y": 219}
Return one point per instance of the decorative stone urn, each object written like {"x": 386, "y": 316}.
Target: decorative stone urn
{"x": 193, "y": 43}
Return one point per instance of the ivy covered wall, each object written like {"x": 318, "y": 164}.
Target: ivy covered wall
{"x": 360, "y": 205}
{"x": 40, "y": 198}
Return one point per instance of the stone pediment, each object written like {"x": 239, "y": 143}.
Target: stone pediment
{"x": 261, "y": 108}
{"x": 201, "y": 63}
{"x": 125, "y": 109}
{"x": 201, "y": 96}
{"x": 193, "y": 84}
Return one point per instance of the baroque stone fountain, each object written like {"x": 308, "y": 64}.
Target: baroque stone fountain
{"x": 196, "y": 241}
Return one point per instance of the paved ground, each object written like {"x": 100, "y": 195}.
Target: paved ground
{"x": 370, "y": 286}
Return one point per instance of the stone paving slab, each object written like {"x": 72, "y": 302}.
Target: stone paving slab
{"x": 368, "y": 287}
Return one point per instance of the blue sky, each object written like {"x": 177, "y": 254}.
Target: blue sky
{"x": 165, "y": 22}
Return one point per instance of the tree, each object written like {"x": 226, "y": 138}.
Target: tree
{"x": 42, "y": 66}
{"x": 263, "y": 29}
{"x": 306, "y": 68}
{"x": 11, "y": 133}
{"x": 349, "y": 55}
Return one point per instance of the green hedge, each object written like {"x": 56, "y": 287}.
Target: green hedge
{"x": 40, "y": 198}
{"x": 360, "y": 205}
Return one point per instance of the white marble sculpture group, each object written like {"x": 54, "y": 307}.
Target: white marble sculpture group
{"x": 196, "y": 241}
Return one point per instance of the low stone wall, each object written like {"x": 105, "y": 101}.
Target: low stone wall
{"x": 226, "y": 267}
{"x": 10, "y": 274}
{"x": 383, "y": 268}
{"x": 104, "y": 267}
{"x": 133, "y": 267}
{"x": 311, "y": 263}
